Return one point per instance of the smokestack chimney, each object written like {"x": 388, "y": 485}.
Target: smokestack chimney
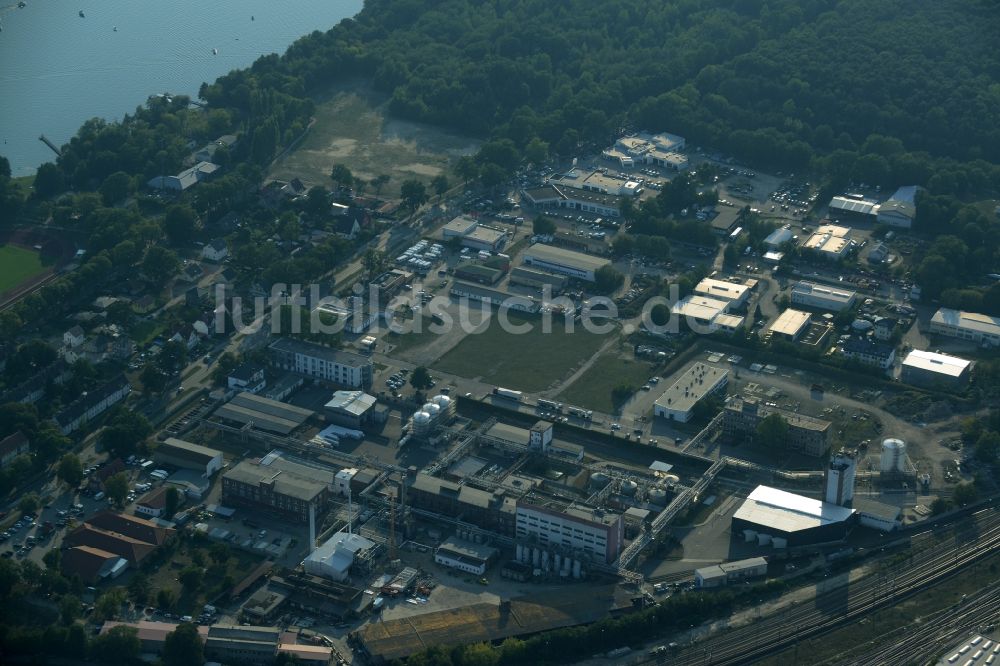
{"x": 312, "y": 526}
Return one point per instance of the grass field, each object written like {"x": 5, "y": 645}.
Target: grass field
{"x": 529, "y": 362}
{"x": 353, "y": 128}
{"x": 593, "y": 388}
{"x": 17, "y": 265}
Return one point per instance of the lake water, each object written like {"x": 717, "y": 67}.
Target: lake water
{"x": 58, "y": 69}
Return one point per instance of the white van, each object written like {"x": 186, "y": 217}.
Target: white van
{"x": 99, "y": 496}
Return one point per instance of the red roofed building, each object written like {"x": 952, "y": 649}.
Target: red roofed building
{"x": 132, "y": 526}
{"x": 133, "y": 550}
{"x": 92, "y": 564}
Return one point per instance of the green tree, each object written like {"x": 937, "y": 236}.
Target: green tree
{"x": 52, "y": 559}
{"x": 115, "y": 188}
{"x": 378, "y": 182}
{"x": 49, "y": 181}
{"x": 543, "y": 226}
{"x": 420, "y": 378}
{"x": 70, "y": 470}
{"x": 772, "y": 431}
{"x": 191, "y": 578}
{"x": 219, "y": 552}
{"x": 172, "y": 501}
{"x": 621, "y": 393}
{"x": 152, "y": 378}
{"x": 29, "y": 503}
{"x": 183, "y": 646}
{"x": 440, "y": 184}
{"x": 109, "y": 604}
{"x": 139, "y": 588}
{"x": 607, "y": 279}
{"x": 125, "y": 429}
{"x": 180, "y": 224}
{"x": 342, "y": 176}
{"x": 173, "y": 356}
{"x": 413, "y": 193}
{"x": 159, "y": 265}
{"x": 69, "y": 608}
{"x": 116, "y": 487}
{"x": 466, "y": 168}
{"x": 119, "y": 646}
{"x": 965, "y": 494}
{"x": 537, "y": 151}
{"x": 165, "y": 599}
{"x": 988, "y": 446}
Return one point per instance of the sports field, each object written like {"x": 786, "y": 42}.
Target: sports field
{"x": 17, "y": 265}
{"x": 532, "y": 361}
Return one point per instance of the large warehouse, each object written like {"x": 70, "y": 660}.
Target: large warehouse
{"x": 927, "y": 368}
{"x": 263, "y": 413}
{"x": 779, "y": 518}
{"x": 278, "y": 486}
{"x": 567, "y": 262}
{"x": 822, "y": 297}
{"x": 972, "y": 326}
{"x": 700, "y": 380}
{"x": 187, "y": 455}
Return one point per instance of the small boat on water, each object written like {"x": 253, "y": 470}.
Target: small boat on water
{"x": 81, "y": 14}
{"x": 115, "y": 29}
{"x": 22, "y": 5}
{"x": 215, "y": 51}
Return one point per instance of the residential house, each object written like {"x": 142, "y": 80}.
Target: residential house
{"x": 144, "y": 304}
{"x": 154, "y": 503}
{"x": 91, "y": 564}
{"x": 185, "y": 179}
{"x": 247, "y": 377}
{"x": 867, "y": 351}
{"x": 216, "y": 251}
{"x": 74, "y": 337}
{"x": 12, "y": 446}
{"x": 91, "y": 405}
{"x": 97, "y": 479}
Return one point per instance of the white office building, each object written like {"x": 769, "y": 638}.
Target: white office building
{"x": 699, "y": 381}
{"x": 822, "y": 297}
{"x": 319, "y": 362}
{"x": 733, "y": 293}
{"x": 972, "y": 326}
{"x": 598, "y": 533}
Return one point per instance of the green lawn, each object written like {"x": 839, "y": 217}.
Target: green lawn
{"x": 17, "y": 265}
{"x": 593, "y": 388}
{"x": 529, "y": 362}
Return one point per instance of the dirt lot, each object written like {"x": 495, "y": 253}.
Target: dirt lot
{"x": 353, "y": 128}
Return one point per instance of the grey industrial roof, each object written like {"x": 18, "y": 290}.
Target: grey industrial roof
{"x": 319, "y": 351}
{"x": 188, "y": 450}
{"x": 468, "y": 549}
{"x": 848, "y": 205}
{"x": 789, "y": 512}
{"x": 697, "y": 381}
{"x": 264, "y": 413}
{"x": 287, "y": 479}
{"x": 944, "y": 364}
{"x": 559, "y": 256}
{"x": 352, "y": 402}
{"x": 877, "y": 509}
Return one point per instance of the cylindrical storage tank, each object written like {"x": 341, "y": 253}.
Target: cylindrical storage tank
{"x": 520, "y": 553}
{"x": 432, "y": 409}
{"x": 629, "y": 488}
{"x": 599, "y": 480}
{"x": 421, "y": 423}
{"x": 763, "y": 539}
{"x": 672, "y": 479}
{"x": 779, "y": 542}
{"x": 749, "y": 535}
{"x": 576, "y": 568}
{"x": 893, "y": 455}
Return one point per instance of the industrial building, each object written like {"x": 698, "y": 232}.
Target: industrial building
{"x": 247, "y": 377}
{"x": 319, "y": 362}
{"x": 91, "y": 564}
{"x": 972, "y": 326}
{"x": 128, "y": 537}
{"x": 779, "y": 237}
{"x": 649, "y": 149}
{"x": 491, "y": 511}
{"x": 775, "y": 517}
{"x": 830, "y": 241}
{"x": 853, "y": 207}
{"x": 790, "y": 325}
{"x": 900, "y": 209}
{"x": 187, "y": 455}
{"x": 334, "y": 559}
{"x": 500, "y": 299}
{"x": 705, "y": 314}
{"x": 484, "y": 238}
{"x": 806, "y": 434}
{"x": 734, "y": 294}
{"x": 822, "y": 297}
{"x": 352, "y": 409}
{"x": 839, "y": 478}
{"x": 877, "y": 515}
{"x": 558, "y": 260}
{"x": 925, "y": 368}
{"x": 465, "y": 556}
{"x": 247, "y": 409}
{"x": 562, "y": 196}
{"x": 388, "y": 284}
{"x": 492, "y": 622}
{"x": 527, "y": 277}
{"x": 600, "y": 534}
{"x": 719, "y": 575}
{"x": 538, "y": 438}
{"x": 700, "y": 380}
{"x": 459, "y": 227}
{"x": 277, "y": 485}
{"x": 597, "y": 181}
{"x": 867, "y": 351}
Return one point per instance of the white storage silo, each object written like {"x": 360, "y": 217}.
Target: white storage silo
{"x": 893, "y": 456}
{"x": 432, "y": 409}
{"x": 421, "y": 424}
{"x": 629, "y": 488}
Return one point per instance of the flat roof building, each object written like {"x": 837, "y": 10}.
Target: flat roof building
{"x": 735, "y": 294}
{"x": 319, "y": 362}
{"x": 187, "y": 455}
{"x": 868, "y": 351}
{"x": 790, "y": 324}
{"x": 722, "y": 574}
{"x": 779, "y": 237}
{"x": 779, "y": 518}
{"x": 853, "y": 207}
{"x": 465, "y": 556}
{"x": 263, "y": 413}
{"x": 704, "y": 314}
{"x": 483, "y": 238}
{"x": 335, "y": 557}
{"x": 277, "y": 485}
{"x": 529, "y": 277}
{"x": 493, "y": 297}
{"x": 700, "y": 380}
{"x": 900, "y": 209}
{"x": 830, "y": 241}
{"x": 925, "y": 368}
{"x": 972, "y": 326}
{"x": 600, "y": 534}
{"x": 459, "y": 226}
{"x": 558, "y": 260}
{"x": 806, "y": 434}
{"x": 822, "y": 297}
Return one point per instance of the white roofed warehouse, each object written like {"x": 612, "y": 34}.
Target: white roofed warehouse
{"x": 567, "y": 262}
{"x": 465, "y": 556}
{"x": 822, "y": 297}
{"x": 972, "y": 326}
{"x": 790, "y": 324}
{"x": 781, "y": 519}
{"x": 925, "y": 368}
{"x": 352, "y": 409}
